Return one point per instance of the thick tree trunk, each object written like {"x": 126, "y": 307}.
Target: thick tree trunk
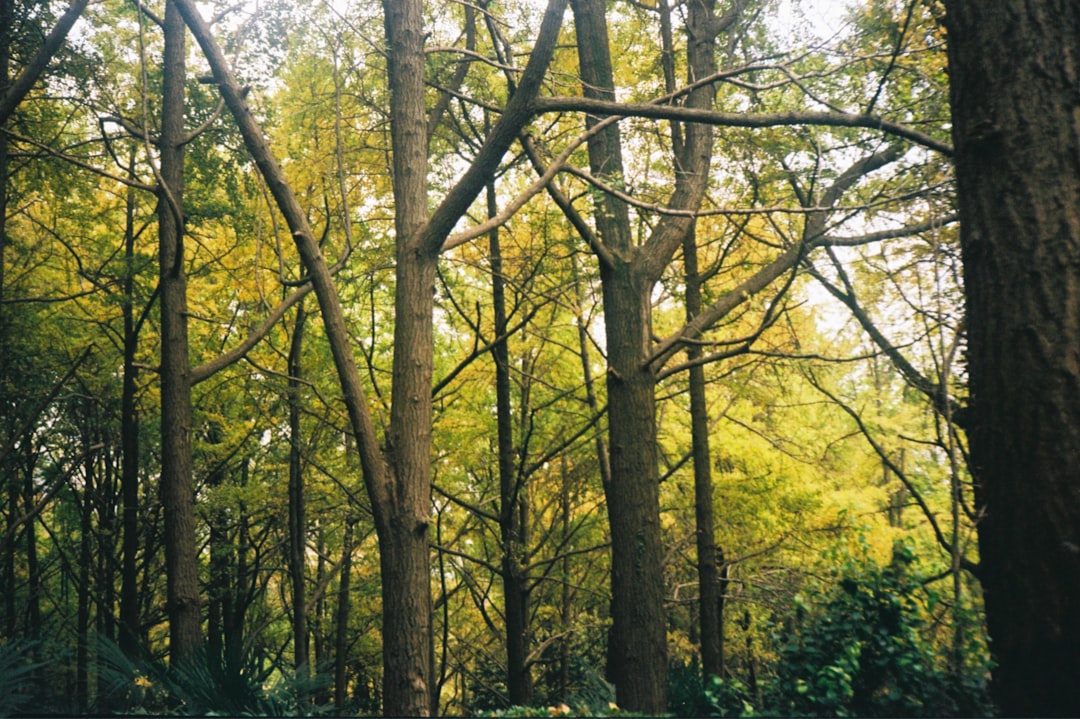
{"x": 1015, "y": 85}
{"x": 177, "y": 490}
{"x": 637, "y": 649}
{"x": 637, "y": 644}
{"x": 403, "y": 542}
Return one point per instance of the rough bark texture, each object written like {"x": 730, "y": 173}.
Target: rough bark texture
{"x": 637, "y": 645}
{"x": 177, "y": 491}
{"x": 405, "y": 559}
{"x": 1015, "y": 84}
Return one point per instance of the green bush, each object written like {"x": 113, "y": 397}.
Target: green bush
{"x": 866, "y": 652}
{"x": 17, "y": 669}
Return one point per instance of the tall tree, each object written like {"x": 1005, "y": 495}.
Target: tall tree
{"x": 399, "y": 480}
{"x": 637, "y": 655}
{"x": 176, "y": 482}
{"x": 1015, "y": 89}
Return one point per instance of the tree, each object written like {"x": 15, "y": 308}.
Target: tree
{"x": 1014, "y": 93}
{"x": 397, "y": 476}
{"x": 176, "y": 482}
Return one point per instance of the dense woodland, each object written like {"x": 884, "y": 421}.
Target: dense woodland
{"x": 604, "y": 355}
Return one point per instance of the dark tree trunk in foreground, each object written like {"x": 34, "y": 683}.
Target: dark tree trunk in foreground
{"x": 177, "y": 490}
{"x": 1015, "y": 75}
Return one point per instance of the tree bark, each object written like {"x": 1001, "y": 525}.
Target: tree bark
{"x": 341, "y": 631}
{"x": 709, "y": 601}
{"x": 637, "y": 646}
{"x": 297, "y": 540}
{"x": 514, "y": 575}
{"x": 399, "y": 482}
{"x": 177, "y": 489}
{"x": 129, "y": 443}
{"x": 405, "y": 561}
{"x": 1015, "y": 90}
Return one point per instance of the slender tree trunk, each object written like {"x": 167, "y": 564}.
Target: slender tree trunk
{"x": 709, "y": 598}
{"x": 514, "y": 576}
{"x": 7, "y": 24}
{"x": 129, "y": 443}
{"x": 708, "y": 577}
{"x": 341, "y": 633}
{"x": 8, "y": 478}
{"x": 565, "y": 603}
{"x": 240, "y": 592}
{"x": 33, "y": 567}
{"x": 86, "y": 559}
{"x": 318, "y": 633}
{"x": 218, "y": 588}
{"x": 1014, "y": 70}
{"x": 177, "y": 489}
{"x": 297, "y": 552}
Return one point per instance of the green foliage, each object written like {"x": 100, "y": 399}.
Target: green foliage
{"x": 17, "y": 669}
{"x": 862, "y": 649}
{"x": 728, "y": 698}
{"x": 203, "y": 686}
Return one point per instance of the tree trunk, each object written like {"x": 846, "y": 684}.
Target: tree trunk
{"x": 177, "y": 490}
{"x": 404, "y": 558}
{"x": 297, "y": 541}
{"x": 341, "y": 632}
{"x": 7, "y": 13}
{"x": 86, "y": 559}
{"x": 129, "y": 443}
{"x": 514, "y": 577}
{"x": 705, "y": 530}
{"x": 33, "y": 566}
{"x": 637, "y": 648}
{"x": 637, "y": 644}
{"x": 8, "y": 482}
{"x": 1015, "y": 87}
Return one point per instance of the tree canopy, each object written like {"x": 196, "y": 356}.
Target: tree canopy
{"x": 421, "y": 358}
